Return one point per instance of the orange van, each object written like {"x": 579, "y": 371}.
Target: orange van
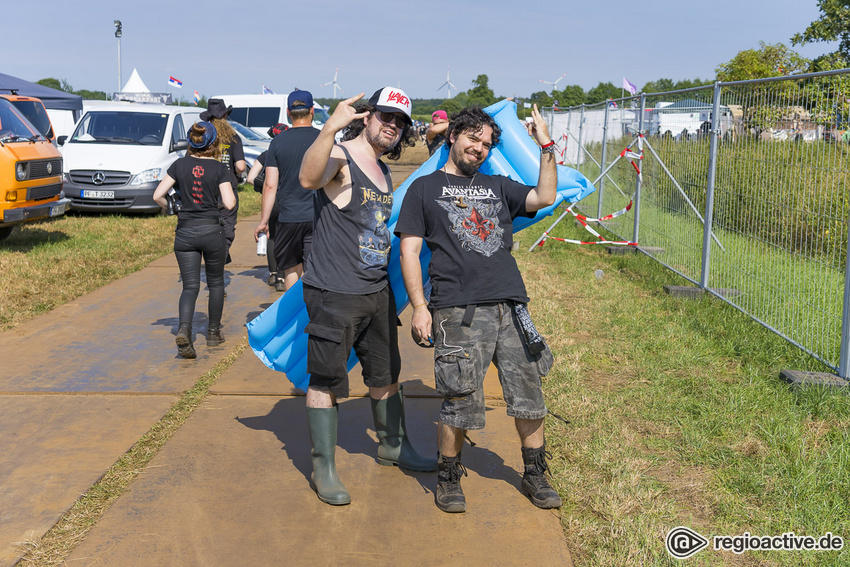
{"x": 30, "y": 171}
{"x": 34, "y": 111}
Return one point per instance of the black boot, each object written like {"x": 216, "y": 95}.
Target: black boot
{"x": 394, "y": 445}
{"x": 184, "y": 341}
{"x": 322, "y": 424}
{"x": 535, "y": 485}
{"x": 215, "y": 336}
{"x": 449, "y": 495}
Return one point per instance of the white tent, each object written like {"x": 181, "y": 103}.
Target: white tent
{"x": 135, "y": 90}
{"x": 135, "y": 84}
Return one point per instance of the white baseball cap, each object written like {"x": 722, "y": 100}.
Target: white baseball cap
{"x": 391, "y": 99}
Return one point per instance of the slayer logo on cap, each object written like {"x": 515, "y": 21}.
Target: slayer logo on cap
{"x": 399, "y": 98}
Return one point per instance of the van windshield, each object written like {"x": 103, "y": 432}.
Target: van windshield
{"x": 320, "y": 115}
{"x": 110, "y": 127}
{"x": 248, "y": 133}
{"x": 34, "y": 111}
{"x": 13, "y": 126}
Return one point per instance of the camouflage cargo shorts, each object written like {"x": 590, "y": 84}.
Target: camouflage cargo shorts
{"x": 462, "y": 355}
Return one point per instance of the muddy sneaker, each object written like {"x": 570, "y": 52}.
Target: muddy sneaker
{"x": 535, "y": 485}
{"x": 184, "y": 341}
{"x": 449, "y": 495}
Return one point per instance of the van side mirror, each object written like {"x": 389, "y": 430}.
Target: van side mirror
{"x": 61, "y": 140}
{"x": 180, "y": 145}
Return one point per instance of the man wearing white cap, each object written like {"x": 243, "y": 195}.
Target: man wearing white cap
{"x": 346, "y": 287}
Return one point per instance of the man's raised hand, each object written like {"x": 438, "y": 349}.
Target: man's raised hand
{"x": 537, "y": 127}
{"x": 344, "y": 114}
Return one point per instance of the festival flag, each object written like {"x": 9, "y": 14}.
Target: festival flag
{"x": 267, "y": 90}
{"x": 197, "y": 98}
{"x": 174, "y": 82}
{"x": 629, "y": 86}
{"x": 526, "y": 105}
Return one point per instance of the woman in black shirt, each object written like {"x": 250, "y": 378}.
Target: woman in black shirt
{"x": 201, "y": 182}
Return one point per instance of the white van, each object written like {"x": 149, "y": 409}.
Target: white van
{"x": 120, "y": 151}
{"x": 261, "y": 112}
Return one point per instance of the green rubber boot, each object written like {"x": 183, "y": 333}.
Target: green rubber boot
{"x": 394, "y": 445}
{"x": 322, "y": 424}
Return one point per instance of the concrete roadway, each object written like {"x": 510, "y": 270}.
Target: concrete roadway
{"x": 83, "y": 383}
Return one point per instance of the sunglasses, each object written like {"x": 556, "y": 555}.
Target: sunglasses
{"x": 388, "y": 117}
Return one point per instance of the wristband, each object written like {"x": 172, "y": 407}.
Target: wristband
{"x": 420, "y": 305}
{"x": 549, "y": 145}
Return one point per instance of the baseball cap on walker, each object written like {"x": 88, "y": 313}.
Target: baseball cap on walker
{"x": 304, "y": 99}
{"x": 391, "y": 99}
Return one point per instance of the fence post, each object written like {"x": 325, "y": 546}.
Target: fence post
{"x": 636, "y": 231}
{"x": 709, "y": 188}
{"x": 569, "y": 133}
{"x": 580, "y": 153}
{"x": 844, "y": 357}
{"x": 602, "y": 162}
{"x": 552, "y": 120}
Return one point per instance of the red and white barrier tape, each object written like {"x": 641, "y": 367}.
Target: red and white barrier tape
{"x": 629, "y": 155}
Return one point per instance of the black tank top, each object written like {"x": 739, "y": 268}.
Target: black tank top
{"x": 351, "y": 245}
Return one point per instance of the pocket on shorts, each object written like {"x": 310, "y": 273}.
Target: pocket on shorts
{"x": 454, "y": 374}
{"x": 323, "y": 331}
{"x": 544, "y": 362}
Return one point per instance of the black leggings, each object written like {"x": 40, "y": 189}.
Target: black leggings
{"x": 190, "y": 244}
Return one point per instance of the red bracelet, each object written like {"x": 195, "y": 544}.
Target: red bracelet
{"x": 549, "y": 145}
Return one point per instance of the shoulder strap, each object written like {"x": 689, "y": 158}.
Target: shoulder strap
{"x": 387, "y": 176}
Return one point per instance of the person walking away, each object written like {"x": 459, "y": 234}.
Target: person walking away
{"x": 232, "y": 155}
{"x": 294, "y": 222}
{"x": 201, "y": 183}
{"x": 257, "y": 177}
{"x": 478, "y": 311}
{"x": 346, "y": 288}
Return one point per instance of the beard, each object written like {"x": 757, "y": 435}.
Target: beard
{"x": 467, "y": 168}
{"x": 377, "y": 140}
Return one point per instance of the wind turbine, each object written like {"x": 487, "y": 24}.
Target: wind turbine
{"x": 449, "y": 86}
{"x": 334, "y": 83}
{"x": 558, "y": 80}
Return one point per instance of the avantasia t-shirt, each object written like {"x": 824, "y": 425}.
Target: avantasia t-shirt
{"x": 468, "y": 225}
{"x": 197, "y": 183}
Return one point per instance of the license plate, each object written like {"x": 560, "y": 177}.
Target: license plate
{"x": 57, "y": 210}
{"x": 98, "y": 194}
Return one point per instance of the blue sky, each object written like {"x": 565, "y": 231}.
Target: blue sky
{"x": 218, "y": 47}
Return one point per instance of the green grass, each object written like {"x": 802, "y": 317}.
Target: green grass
{"x": 677, "y": 416}
{"x": 47, "y": 264}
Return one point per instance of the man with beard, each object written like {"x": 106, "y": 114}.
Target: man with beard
{"x": 346, "y": 288}
{"x": 478, "y": 300}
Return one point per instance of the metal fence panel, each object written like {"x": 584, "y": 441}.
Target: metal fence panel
{"x": 782, "y": 199}
{"x": 779, "y": 200}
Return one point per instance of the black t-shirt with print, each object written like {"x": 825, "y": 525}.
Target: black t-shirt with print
{"x": 230, "y": 154}
{"x": 197, "y": 183}
{"x": 468, "y": 225}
